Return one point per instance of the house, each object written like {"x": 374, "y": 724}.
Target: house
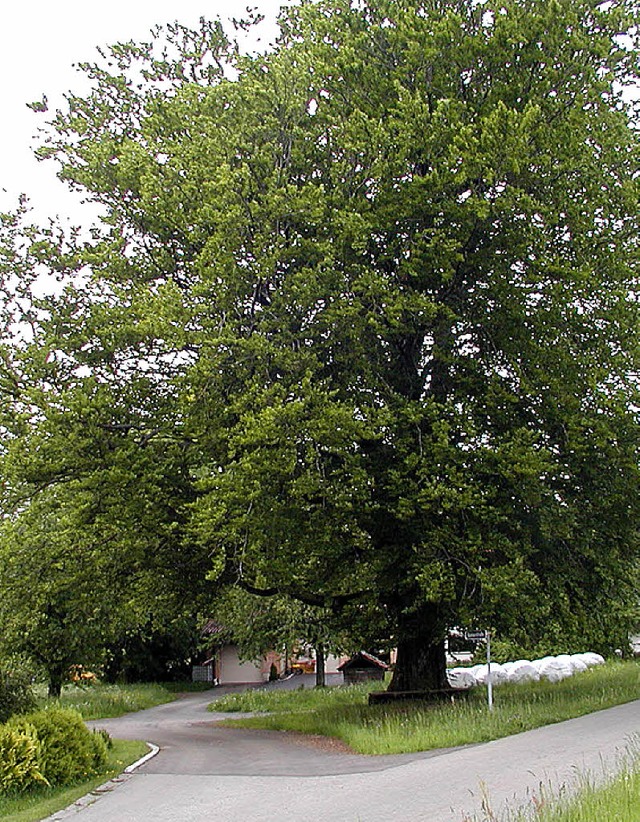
{"x": 363, "y": 667}
{"x": 221, "y": 664}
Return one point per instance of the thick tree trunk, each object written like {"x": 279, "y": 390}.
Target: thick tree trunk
{"x": 320, "y": 667}
{"x": 421, "y": 662}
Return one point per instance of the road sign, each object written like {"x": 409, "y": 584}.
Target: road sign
{"x": 475, "y": 636}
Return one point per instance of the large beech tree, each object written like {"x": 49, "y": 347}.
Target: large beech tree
{"x": 380, "y": 283}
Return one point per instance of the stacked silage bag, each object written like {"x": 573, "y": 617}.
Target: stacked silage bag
{"x": 551, "y": 668}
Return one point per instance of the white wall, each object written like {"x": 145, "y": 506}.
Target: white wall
{"x": 231, "y": 671}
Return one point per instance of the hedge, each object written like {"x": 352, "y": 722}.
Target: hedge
{"x": 51, "y": 746}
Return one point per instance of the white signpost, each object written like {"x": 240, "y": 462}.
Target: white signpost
{"x": 484, "y": 636}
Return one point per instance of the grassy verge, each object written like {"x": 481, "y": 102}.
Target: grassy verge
{"x": 617, "y": 802}
{"x": 40, "y": 803}
{"x": 616, "y": 799}
{"x": 402, "y": 728}
{"x": 100, "y": 701}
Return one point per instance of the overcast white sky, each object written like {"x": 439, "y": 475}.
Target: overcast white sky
{"x": 39, "y": 42}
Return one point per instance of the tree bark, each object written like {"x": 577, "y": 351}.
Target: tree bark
{"x": 320, "y": 667}
{"x": 421, "y": 663}
{"x": 56, "y": 678}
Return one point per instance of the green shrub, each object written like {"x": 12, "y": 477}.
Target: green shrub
{"x": 101, "y": 743}
{"x": 20, "y": 755}
{"x": 16, "y": 696}
{"x": 69, "y": 751}
{"x": 105, "y": 737}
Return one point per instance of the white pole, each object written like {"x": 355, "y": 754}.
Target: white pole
{"x": 489, "y": 683}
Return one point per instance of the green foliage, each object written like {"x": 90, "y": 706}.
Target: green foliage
{"x": 258, "y": 624}
{"x": 68, "y": 750}
{"x": 16, "y": 694}
{"x": 157, "y": 651}
{"x": 359, "y": 328}
{"x": 55, "y": 610}
{"x": 41, "y": 802}
{"x": 106, "y": 738}
{"x": 20, "y": 759}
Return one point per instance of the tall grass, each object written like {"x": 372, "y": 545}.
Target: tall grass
{"x": 100, "y": 701}
{"x": 617, "y": 802}
{"x": 301, "y": 699}
{"x": 614, "y": 798}
{"x": 409, "y": 727}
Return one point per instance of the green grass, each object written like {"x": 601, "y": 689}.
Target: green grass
{"x": 299, "y": 700}
{"x": 618, "y": 801}
{"x": 38, "y": 804}
{"x": 100, "y": 701}
{"x": 343, "y": 712}
{"x": 614, "y": 798}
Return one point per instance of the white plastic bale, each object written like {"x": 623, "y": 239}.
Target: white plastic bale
{"x": 592, "y": 658}
{"x": 577, "y": 663}
{"x": 539, "y": 664}
{"x": 461, "y": 678}
{"x": 555, "y": 670}
{"x": 523, "y": 671}
{"x": 506, "y": 667}
{"x": 498, "y": 674}
{"x": 552, "y": 668}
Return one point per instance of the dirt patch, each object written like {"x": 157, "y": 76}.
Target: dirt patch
{"x": 326, "y": 744}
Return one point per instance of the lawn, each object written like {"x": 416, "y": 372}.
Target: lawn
{"x": 101, "y": 701}
{"x": 40, "y": 803}
{"x": 343, "y": 712}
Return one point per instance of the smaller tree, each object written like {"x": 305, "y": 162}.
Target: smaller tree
{"x": 262, "y": 623}
{"x": 16, "y": 695}
{"x": 156, "y": 651}
{"x": 55, "y": 607}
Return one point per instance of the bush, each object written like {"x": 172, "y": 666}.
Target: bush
{"x": 16, "y": 696}
{"x": 105, "y": 737}
{"x": 69, "y": 751}
{"x": 20, "y": 754}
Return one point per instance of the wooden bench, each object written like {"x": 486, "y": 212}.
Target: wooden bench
{"x": 437, "y": 695}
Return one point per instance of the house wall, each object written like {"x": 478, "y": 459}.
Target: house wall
{"x": 231, "y": 671}
{"x": 352, "y": 676}
{"x": 331, "y": 663}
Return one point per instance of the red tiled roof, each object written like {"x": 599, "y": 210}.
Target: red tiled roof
{"x": 363, "y": 660}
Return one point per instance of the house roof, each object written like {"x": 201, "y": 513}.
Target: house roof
{"x": 363, "y": 660}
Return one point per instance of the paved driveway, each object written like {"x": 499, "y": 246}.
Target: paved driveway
{"x": 205, "y": 771}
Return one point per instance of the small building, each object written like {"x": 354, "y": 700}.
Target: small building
{"x": 363, "y": 667}
{"x": 221, "y": 663}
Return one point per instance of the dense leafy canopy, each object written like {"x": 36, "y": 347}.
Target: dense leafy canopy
{"x": 359, "y": 324}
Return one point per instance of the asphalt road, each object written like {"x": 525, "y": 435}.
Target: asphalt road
{"x": 206, "y": 771}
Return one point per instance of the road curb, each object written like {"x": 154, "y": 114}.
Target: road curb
{"x": 106, "y": 787}
{"x": 154, "y": 749}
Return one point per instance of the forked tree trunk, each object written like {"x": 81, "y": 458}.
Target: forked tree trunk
{"x": 421, "y": 663}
